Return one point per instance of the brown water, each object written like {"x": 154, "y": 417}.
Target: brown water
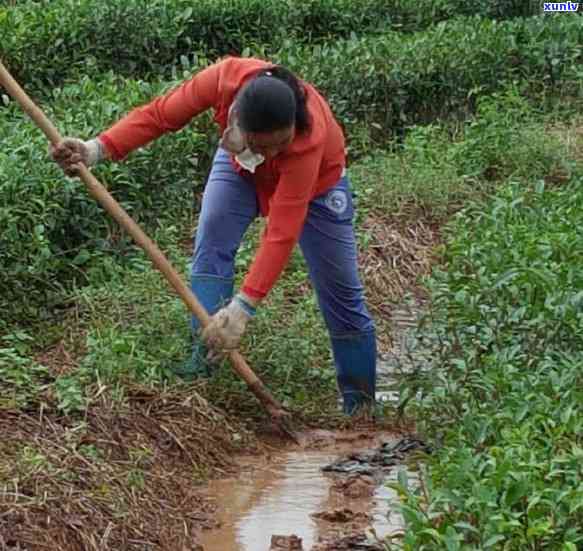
{"x": 278, "y": 494}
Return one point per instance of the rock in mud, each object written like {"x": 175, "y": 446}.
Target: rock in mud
{"x": 343, "y": 516}
{"x": 355, "y": 486}
{"x": 286, "y": 543}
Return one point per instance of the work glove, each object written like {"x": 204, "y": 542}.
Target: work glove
{"x": 70, "y": 152}
{"x": 226, "y": 327}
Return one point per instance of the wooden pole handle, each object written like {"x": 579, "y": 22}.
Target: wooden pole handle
{"x": 104, "y": 198}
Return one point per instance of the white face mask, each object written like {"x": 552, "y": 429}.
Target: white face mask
{"x": 249, "y": 160}
{"x": 233, "y": 140}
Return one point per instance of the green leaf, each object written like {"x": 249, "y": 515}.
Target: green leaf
{"x": 467, "y": 526}
{"x": 82, "y": 257}
{"x": 451, "y": 539}
{"x": 403, "y": 478}
{"x": 490, "y": 542}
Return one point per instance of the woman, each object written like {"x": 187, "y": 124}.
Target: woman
{"x": 281, "y": 155}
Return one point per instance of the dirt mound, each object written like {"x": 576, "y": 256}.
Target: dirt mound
{"x": 286, "y": 543}
{"x": 343, "y": 516}
{"x": 117, "y": 478}
{"x": 355, "y": 486}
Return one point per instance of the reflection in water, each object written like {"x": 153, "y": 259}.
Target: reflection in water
{"x": 280, "y": 497}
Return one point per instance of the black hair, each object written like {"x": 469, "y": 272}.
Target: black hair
{"x": 273, "y": 100}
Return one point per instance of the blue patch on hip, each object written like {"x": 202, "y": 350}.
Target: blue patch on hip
{"x": 337, "y": 201}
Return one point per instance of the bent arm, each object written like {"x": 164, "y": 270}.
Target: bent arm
{"x": 167, "y": 113}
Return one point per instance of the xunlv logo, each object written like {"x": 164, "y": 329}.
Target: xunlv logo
{"x": 560, "y": 6}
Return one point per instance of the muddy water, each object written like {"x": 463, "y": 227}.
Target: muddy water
{"x": 278, "y": 495}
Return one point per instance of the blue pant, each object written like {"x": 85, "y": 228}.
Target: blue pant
{"x": 327, "y": 241}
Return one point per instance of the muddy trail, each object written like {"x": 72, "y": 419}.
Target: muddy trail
{"x": 134, "y": 475}
{"x": 331, "y": 492}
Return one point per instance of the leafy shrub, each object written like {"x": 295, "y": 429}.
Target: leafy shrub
{"x": 49, "y": 44}
{"x": 498, "y": 9}
{"x": 21, "y": 378}
{"x": 45, "y": 45}
{"x": 395, "y": 81}
{"x": 503, "y": 397}
{"x": 387, "y": 83}
{"x": 50, "y": 229}
{"x": 507, "y": 140}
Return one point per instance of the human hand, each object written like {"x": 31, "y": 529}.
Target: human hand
{"x": 69, "y": 153}
{"x": 227, "y": 327}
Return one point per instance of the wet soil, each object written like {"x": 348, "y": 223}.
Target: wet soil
{"x": 128, "y": 477}
{"x": 286, "y": 501}
{"x": 116, "y": 479}
{"x": 329, "y": 493}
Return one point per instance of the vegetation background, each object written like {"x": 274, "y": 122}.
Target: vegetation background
{"x": 465, "y": 133}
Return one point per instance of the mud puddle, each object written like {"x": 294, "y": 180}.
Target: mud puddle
{"x": 288, "y": 493}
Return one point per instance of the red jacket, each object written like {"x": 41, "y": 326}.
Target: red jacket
{"x": 285, "y": 185}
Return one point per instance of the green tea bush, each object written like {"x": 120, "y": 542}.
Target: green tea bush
{"x": 385, "y": 85}
{"x": 506, "y": 139}
{"x": 50, "y": 228}
{"x": 497, "y": 9}
{"x": 21, "y": 378}
{"x": 503, "y": 396}
{"x": 47, "y": 43}
{"x": 436, "y": 170}
{"x": 391, "y": 81}
{"x": 395, "y": 81}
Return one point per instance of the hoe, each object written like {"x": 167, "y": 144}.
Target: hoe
{"x": 280, "y": 417}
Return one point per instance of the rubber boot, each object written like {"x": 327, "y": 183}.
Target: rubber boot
{"x": 355, "y": 357}
{"x": 213, "y": 292}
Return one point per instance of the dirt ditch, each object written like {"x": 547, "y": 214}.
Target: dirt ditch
{"x": 132, "y": 480}
{"x": 133, "y": 477}
{"x": 312, "y": 496}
